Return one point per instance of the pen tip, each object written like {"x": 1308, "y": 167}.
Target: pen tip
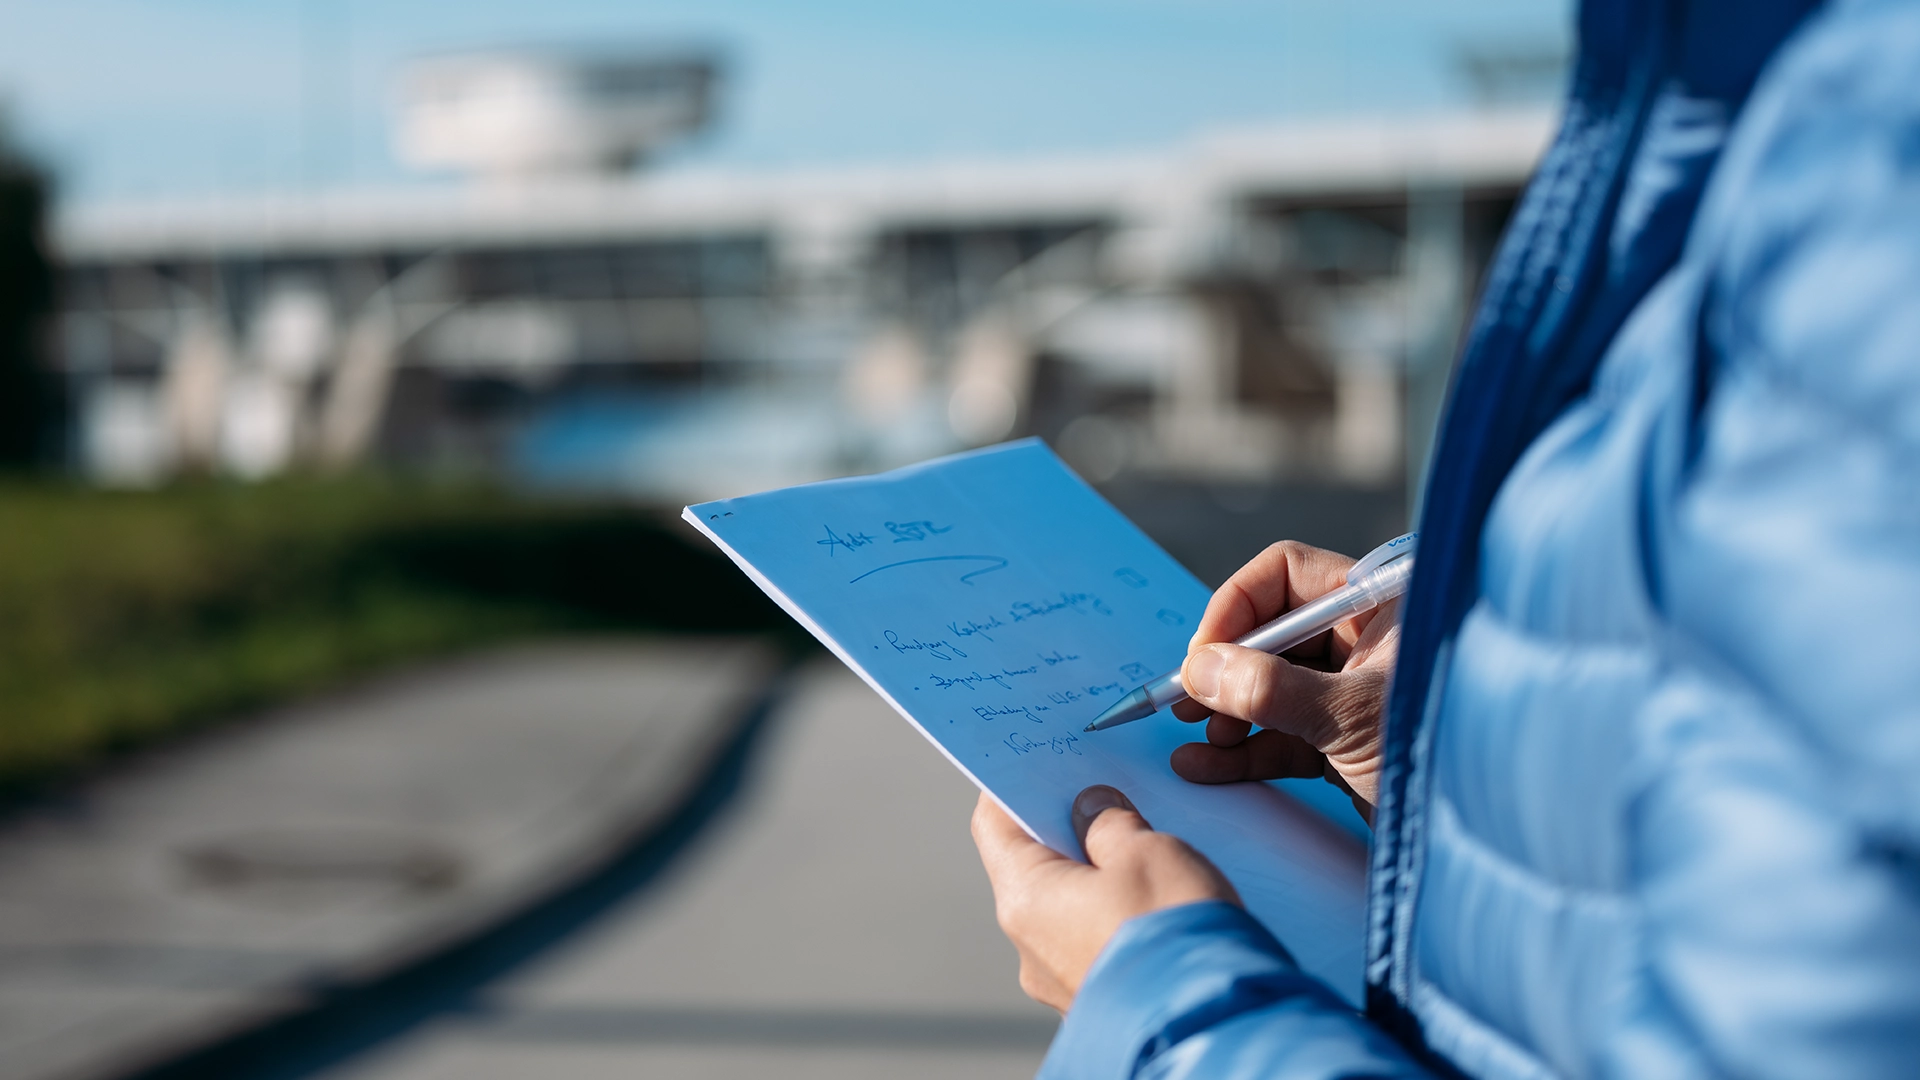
{"x": 1125, "y": 711}
{"x": 1090, "y": 727}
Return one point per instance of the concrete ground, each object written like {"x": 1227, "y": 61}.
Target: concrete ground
{"x": 833, "y": 922}
{"x": 247, "y": 874}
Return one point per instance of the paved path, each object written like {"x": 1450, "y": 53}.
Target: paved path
{"x": 833, "y": 922}
{"x": 204, "y": 889}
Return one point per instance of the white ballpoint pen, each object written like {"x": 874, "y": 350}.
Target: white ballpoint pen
{"x": 1379, "y": 577}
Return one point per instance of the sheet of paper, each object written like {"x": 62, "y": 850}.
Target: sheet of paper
{"x": 1000, "y": 604}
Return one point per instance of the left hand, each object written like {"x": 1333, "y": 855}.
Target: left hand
{"x": 1060, "y": 913}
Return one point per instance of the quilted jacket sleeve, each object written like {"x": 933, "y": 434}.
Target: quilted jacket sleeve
{"x": 1204, "y": 991}
{"x": 1789, "y": 561}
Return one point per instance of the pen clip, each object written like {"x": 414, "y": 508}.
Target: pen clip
{"x": 1397, "y": 548}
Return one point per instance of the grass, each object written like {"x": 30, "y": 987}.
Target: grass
{"x": 126, "y": 618}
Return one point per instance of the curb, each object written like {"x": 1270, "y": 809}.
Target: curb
{"x": 347, "y": 1017}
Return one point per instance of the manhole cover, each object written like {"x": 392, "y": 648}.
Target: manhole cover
{"x": 308, "y": 868}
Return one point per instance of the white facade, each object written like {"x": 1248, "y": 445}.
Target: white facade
{"x": 1246, "y": 305}
{"x": 521, "y": 114}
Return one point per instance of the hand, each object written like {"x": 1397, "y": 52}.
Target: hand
{"x": 1060, "y": 913}
{"x": 1320, "y": 707}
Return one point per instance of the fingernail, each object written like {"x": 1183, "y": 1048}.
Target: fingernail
{"x": 1202, "y": 676}
{"x": 1090, "y": 803}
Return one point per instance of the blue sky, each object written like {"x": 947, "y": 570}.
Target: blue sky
{"x": 142, "y": 97}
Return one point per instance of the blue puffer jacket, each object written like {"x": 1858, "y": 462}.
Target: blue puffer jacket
{"x": 1652, "y": 801}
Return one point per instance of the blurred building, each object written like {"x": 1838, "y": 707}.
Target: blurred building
{"x": 526, "y": 114}
{"x": 1257, "y": 305}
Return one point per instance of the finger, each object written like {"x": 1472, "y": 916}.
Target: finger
{"x": 1104, "y": 818}
{"x": 1191, "y": 711}
{"x": 1378, "y": 641}
{"x": 1269, "y": 755}
{"x": 1005, "y": 848}
{"x": 1281, "y": 578}
{"x": 1264, "y": 690}
{"x": 1224, "y": 730}
{"x": 1353, "y": 641}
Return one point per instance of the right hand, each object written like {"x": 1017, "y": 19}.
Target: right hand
{"x": 1320, "y": 706}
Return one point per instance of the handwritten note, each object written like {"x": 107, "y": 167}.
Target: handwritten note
{"x": 999, "y": 604}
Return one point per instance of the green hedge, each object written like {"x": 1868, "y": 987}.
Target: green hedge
{"x": 127, "y": 617}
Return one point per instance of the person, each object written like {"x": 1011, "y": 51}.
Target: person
{"x": 1641, "y": 752}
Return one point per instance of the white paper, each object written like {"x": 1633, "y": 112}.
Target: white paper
{"x": 1000, "y": 604}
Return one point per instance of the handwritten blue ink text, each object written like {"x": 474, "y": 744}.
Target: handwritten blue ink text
{"x": 905, "y": 531}
{"x": 1059, "y": 744}
{"x": 939, "y": 650}
{"x": 853, "y": 541}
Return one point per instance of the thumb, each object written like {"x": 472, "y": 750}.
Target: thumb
{"x": 1104, "y": 819}
{"x": 1263, "y": 690}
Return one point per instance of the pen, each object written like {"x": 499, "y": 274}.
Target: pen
{"x": 1379, "y": 577}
